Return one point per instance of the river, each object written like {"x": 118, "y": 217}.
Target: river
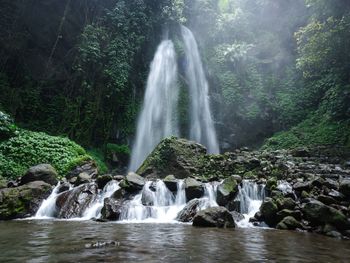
{"x": 67, "y": 241}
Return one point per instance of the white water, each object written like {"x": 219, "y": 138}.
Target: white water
{"x": 201, "y": 126}
{"x": 166, "y": 205}
{"x": 158, "y": 118}
{"x": 251, "y": 196}
{"x": 94, "y": 211}
{"x": 48, "y": 207}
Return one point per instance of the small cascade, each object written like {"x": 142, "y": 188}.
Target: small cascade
{"x": 94, "y": 211}
{"x": 156, "y": 203}
{"x": 48, "y": 207}
{"x": 250, "y": 197}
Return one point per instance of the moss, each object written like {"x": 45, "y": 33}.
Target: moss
{"x": 97, "y": 155}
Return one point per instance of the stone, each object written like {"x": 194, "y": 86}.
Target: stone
{"x": 302, "y": 186}
{"x": 331, "y": 184}
{"x": 73, "y": 203}
{"x": 118, "y": 177}
{"x": 189, "y": 211}
{"x": 178, "y": 157}
{"x": 344, "y": 187}
{"x": 193, "y": 189}
{"x": 23, "y": 201}
{"x": 171, "y": 182}
{"x": 328, "y": 200}
{"x": 286, "y": 203}
{"x": 237, "y": 216}
{"x": 336, "y": 195}
{"x": 271, "y": 183}
{"x": 63, "y": 187}
{"x": 133, "y": 182}
{"x": 103, "y": 180}
{"x": 269, "y": 211}
{"x": 88, "y": 167}
{"x": 318, "y": 213}
{"x": 238, "y": 178}
{"x": 83, "y": 178}
{"x": 286, "y": 212}
{"x": 42, "y": 172}
{"x": 214, "y": 217}
{"x": 112, "y": 209}
{"x": 227, "y": 191}
{"x": 289, "y": 223}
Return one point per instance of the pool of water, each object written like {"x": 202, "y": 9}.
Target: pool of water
{"x": 67, "y": 241}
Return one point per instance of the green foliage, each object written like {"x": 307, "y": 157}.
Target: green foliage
{"x": 317, "y": 129}
{"x": 7, "y": 127}
{"x": 31, "y": 148}
{"x": 99, "y": 158}
{"x": 122, "y": 152}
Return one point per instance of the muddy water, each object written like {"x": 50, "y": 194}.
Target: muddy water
{"x": 62, "y": 241}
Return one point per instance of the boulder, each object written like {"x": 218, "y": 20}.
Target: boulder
{"x": 271, "y": 183}
{"x": 269, "y": 211}
{"x": 132, "y": 182}
{"x": 237, "y": 216}
{"x": 289, "y": 223}
{"x": 302, "y": 186}
{"x": 102, "y": 180}
{"x": 42, "y": 172}
{"x": 189, "y": 211}
{"x": 193, "y": 189}
{"x": 286, "y": 212}
{"x": 214, "y": 217}
{"x": 112, "y": 209}
{"x": 63, "y": 187}
{"x": 318, "y": 213}
{"x": 23, "y": 201}
{"x": 227, "y": 191}
{"x": 179, "y": 157}
{"x": 83, "y": 178}
{"x": 286, "y": 203}
{"x": 171, "y": 182}
{"x": 72, "y": 203}
{"x": 344, "y": 187}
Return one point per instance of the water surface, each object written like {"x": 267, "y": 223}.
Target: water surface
{"x": 63, "y": 241}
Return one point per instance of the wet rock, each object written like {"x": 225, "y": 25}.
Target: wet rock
{"x": 271, "y": 183}
{"x": 23, "y": 201}
{"x": 318, "y": 182}
{"x": 118, "y": 177}
{"x": 83, "y": 178}
{"x": 336, "y": 195}
{"x": 133, "y": 182}
{"x": 193, "y": 189}
{"x": 331, "y": 184}
{"x": 334, "y": 234}
{"x": 289, "y": 223}
{"x": 112, "y": 209}
{"x": 238, "y": 178}
{"x": 88, "y": 167}
{"x": 269, "y": 211}
{"x": 302, "y": 186}
{"x": 286, "y": 212}
{"x": 42, "y": 172}
{"x": 189, "y": 211}
{"x": 286, "y": 203}
{"x": 344, "y": 187}
{"x": 214, "y": 217}
{"x": 171, "y": 182}
{"x": 103, "y": 180}
{"x": 63, "y": 187}
{"x": 72, "y": 203}
{"x": 237, "y": 216}
{"x": 227, "y": 191}
{"x": 326, "y": 199}
{"x": 319, "y": 213}
{"x": 178, "y": 157}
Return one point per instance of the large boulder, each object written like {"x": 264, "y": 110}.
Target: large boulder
{"x": 193, "y": 189}
{"x": 227, "y": 191}
{"x": 41, "y": 172}
{"x": 269, "y": 211}
{"x": 73, "y": 203}
{"x": 103, "y": 180}
{"x": 133, "y": 182}
{"x": 171, "y": 182}
{"x": 214, "y": 217}
{"x": 23, "y": 201}
{"x": 318, "y": 213}
{"x": 189, "y": 211}
{"x": 179, "y": 157}
{"x": 88, "y": 167}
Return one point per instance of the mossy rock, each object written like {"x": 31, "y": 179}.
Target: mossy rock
{"x": 179, "y": 157}
{"x": 23, "y": 201}
{"x": 227, "y": 191}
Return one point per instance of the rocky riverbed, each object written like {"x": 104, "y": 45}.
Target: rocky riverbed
{"x": 307, "y": 189}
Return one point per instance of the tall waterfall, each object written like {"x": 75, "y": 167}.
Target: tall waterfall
{"x": 202, "y": 126}
{"x": 158, "y": 118}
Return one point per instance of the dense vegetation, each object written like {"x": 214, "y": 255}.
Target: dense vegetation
{"x": 78, "y": 68}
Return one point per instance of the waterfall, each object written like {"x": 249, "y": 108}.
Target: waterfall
{"x": 250, "y": 197}
{"x": 94, "y": 211}
{"x": 48, "y": 207}
{"x": 202, "y": 126}
{"x": 158, "y": 118}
